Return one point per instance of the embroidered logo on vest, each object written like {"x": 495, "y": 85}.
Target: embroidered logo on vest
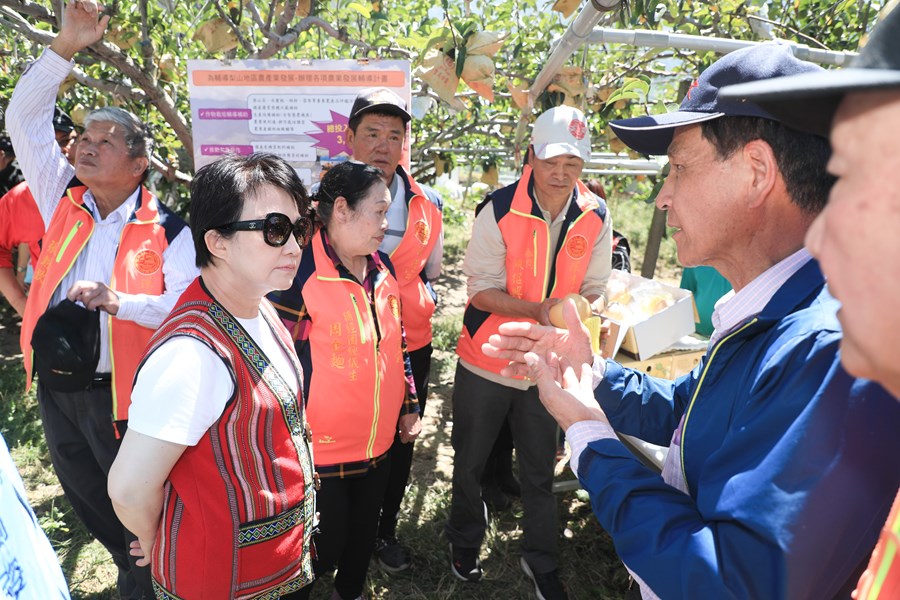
{"x": 147, "y": 262}
{"x": 327, "y": 440}
{"x": 577, "y": 247}
{"x": 422, "y": 231}
{"x": 395, "y": 305}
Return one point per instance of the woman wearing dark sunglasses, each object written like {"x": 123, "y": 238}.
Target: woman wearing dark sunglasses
{"x": 215, "y": 473}
{"x": 344, "y": 313}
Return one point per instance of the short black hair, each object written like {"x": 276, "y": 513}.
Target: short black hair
{"x": 801, "y": 157}
{"x": 349, "y": 179}
{"x": 219, "y": 189}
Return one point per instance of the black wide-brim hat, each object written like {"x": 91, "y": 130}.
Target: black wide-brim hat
{"x": 66, "y": 344}
{"x": 808, "y": 102}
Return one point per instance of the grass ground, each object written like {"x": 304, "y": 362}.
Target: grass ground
{"x": 590, "y": 566}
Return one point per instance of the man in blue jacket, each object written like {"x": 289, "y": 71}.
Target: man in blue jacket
{"x": 855, "y": 236}
{"x": 762, "y": 494}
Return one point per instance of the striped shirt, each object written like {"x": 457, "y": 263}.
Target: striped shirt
{"x": 29, "y": 119}
{"x": 733, "y": 309}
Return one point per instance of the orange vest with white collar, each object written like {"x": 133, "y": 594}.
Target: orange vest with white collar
{"x": 424, "y": 228}
{"x": 358, "y": 385}
{"x": 138, "y": 269}
{"x": 534, "y": 271}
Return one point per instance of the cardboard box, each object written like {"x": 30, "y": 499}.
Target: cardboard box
{"x": 657, "y": 332}
{"x": 670, "y": 365}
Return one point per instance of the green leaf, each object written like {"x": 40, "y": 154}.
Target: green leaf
{"x": 365, "y": 11}
{"x": 460, "y": 60}
{"x": 441, "y": 39}
{"x": 632, "y": 89}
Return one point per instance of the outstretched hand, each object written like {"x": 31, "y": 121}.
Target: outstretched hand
{"x": 565, "y": 391}
{"x": 517, "y": 338}
{"x": 82, "y": 26}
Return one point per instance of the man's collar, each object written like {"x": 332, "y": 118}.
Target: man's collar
{"x": 532, "y": 193}
{"x": 126, "y": 210}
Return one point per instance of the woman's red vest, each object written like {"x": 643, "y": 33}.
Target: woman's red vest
{"x": 239, "y": 506}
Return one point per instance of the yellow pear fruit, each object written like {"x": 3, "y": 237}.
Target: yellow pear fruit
{"x": 556, "y": 311}
{"x": 79, "y": 113}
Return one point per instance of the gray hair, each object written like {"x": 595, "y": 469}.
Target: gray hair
{"x": 137, "y": 135}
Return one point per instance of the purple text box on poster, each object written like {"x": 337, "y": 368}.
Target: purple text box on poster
{"x": 228, "y": 114}
{"x": 220, "y": 149}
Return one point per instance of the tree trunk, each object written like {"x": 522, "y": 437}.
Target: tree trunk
{"x": 654, "y": 239}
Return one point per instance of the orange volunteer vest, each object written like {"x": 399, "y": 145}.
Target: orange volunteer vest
{"x": 423, "y": 229}
{"x": 137, "y": 270}
{"x": 881, "y": 581}
{"x": 533, "y": 273}
{"x": 358, "y": 385}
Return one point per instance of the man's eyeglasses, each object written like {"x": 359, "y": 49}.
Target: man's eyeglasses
{"x": 276, "y": 229}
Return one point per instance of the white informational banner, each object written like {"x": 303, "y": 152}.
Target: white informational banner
{"x": 297, "y": 109}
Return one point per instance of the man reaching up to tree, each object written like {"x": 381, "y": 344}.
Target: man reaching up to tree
{"x": 111, "y": 246}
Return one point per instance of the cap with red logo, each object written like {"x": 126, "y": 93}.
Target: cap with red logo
{"x": 561, "y": 130}
{"x": 808, "y": 102}
{"x": 652, "y": 134}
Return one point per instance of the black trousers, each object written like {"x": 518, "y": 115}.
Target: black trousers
{"x": 402, "y": 454}
{"x": 480, "y": 408}
{"x": 82, "y": 440}
{"x": 348, "y": 517}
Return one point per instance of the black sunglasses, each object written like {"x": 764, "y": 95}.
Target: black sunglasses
{"x": 276, "y": 229}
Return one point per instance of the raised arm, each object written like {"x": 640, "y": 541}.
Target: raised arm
{"x": 82, "y": 26}
{"x": 29, "y": 116}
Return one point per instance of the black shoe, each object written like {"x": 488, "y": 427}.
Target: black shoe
{"x": 547, "y": 586}
{"x": 392, "y": 557}
{"x": 494, "y": 497}
{"x": 465, "y": 564}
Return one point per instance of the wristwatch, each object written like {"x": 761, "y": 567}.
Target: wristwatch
{"x": 21, "y": 269}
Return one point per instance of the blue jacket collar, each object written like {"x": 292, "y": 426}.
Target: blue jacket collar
{"x": 799, "y": 291}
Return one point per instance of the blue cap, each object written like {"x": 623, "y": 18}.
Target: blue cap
{"x": 808, "y": 102}
{"x": 653, "y": 134}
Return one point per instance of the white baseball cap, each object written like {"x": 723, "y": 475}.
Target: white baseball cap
{"x": 561, "y": 130}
